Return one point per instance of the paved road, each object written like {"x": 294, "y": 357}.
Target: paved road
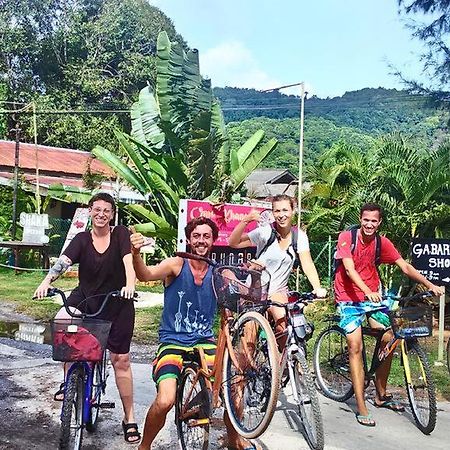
{"x": 30, "y": 417}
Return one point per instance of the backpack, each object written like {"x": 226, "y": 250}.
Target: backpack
{"x": 274, "y": 235}
{"x": 354, "y": 230}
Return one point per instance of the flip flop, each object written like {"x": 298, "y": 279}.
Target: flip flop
{"x": 58, "y": 396}
{"x": 390, "y": 404}
{"x": 366, "y": 421}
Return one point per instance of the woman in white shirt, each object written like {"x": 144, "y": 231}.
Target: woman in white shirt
{"x": 278, "y": 258}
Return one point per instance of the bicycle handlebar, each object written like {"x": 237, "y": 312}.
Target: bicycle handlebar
{"x": 205, "y": 259}
{"x": 305, "y": 298}
{"x": 113, "y": 294}
{"x": 404, "y": 301}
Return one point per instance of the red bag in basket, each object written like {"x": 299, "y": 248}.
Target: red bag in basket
{"x": 83, "y": 345}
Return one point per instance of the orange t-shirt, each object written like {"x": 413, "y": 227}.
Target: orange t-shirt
{"x": 364, "y": 260}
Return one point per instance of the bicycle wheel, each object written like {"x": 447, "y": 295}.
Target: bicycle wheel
{"x": 420, "y": 387}
{"x": 97, "y": 390}
{"x": 331, "y": 364}
{"x": 307, "y": 401}
{"x": 251, "y": 388}
{"x": 192, "y": 411}
{"x": 71, "y": 432}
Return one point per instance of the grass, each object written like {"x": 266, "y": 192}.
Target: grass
{"x": 316, "y": 312}
{"x": 18, "y": 289}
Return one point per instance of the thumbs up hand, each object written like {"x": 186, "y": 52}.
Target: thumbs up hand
{"x": 137, "y": 241}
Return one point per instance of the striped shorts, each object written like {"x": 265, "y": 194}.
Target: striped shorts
{"x": 169, "y": 359}
{"x": 353, "y": 314}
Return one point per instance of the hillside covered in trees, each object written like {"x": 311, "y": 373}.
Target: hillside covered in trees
{"x": 357, "y": 118}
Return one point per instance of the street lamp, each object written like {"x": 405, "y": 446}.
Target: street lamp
{"x": 303, "y": 94}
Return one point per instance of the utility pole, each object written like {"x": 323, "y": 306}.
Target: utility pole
{"x": 16, "y": 181}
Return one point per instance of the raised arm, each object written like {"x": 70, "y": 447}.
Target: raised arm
{"x": 166, "y": 269}
{"x": 239, "y": 239}
{"x": 61, "y": 266}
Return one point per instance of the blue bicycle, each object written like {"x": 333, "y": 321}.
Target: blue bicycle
{"x": 81, "y": 341}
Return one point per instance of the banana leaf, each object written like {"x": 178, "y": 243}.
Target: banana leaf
{"x": 252, "y": 162}
{"x": 70, "y": 194}
{"x": 120, "y": 167}
{"x": 145, "y": 119}
{"x": 249, "y": 146}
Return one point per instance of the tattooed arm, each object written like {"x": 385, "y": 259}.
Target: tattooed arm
{"x": 56, "y": 271}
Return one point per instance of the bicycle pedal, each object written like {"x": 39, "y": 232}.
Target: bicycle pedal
{"x": 107, "y": 405}
{"x": 198, "y": 422}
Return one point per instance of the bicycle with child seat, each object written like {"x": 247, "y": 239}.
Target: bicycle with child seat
{"x": 81, "y": 341}
{"x": 411, "y": 321}
{"x": 245, "y": 375}
{"x": 295, "y": 366}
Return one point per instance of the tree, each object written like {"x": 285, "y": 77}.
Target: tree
{"x": 435, "y": 33}
{"x": 410, "y": 184}
{"x": 78, "y": 54}
{"x": 179, "y": 144}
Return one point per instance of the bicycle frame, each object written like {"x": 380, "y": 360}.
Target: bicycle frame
{"x": 224, "y": 340}
{"x": 380, "y": 356}
{"x": 88, "y": 370}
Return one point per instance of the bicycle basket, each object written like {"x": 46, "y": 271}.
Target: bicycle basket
{"x": 238, "y": 288}
{"x": 79, "y": 339}
{"x": 412, "y": 321}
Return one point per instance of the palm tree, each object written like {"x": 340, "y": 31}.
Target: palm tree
{"x": 411, "y": 185}
{"x": 179, "y": 145}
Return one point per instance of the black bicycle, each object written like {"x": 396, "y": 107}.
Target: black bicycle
{"x": 296, "y": 369}
{"x": 412, "y": 320}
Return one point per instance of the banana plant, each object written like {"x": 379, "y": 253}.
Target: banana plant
{"x": 179, "y": 145}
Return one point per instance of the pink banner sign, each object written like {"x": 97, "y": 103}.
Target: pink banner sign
{"x": 225, "y": 215}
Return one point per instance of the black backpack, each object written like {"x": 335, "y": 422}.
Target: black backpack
{"x": 354, "y": 230}
{"x": 274, "y": 235}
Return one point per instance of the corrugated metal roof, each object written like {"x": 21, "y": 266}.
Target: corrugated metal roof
{"x": 51, "y": 159}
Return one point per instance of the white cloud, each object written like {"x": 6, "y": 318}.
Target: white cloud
{"x": 232, "y": 64}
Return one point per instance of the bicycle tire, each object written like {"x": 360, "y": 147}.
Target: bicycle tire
{"x": 251, "y": 395}
{"x": 308, "y": 402}
{"x": 71, "y": 431}
{"x": 97, "y": 390}
{"x": 331, "y": 364}
{"x": 421, "y": 390}
{"x": 192, "y": 437}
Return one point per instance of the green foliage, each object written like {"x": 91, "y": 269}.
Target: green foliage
{"x": 78, "y": 54}
{"x": 408, "y": 182}
{"x": 433, "y": 29}
{"x": 319, "y": 135}
{"x": 179, "y": 145}
{"x": 6, "y": 210}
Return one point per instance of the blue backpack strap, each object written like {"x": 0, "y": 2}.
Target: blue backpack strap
{"x": 377, "y": 250}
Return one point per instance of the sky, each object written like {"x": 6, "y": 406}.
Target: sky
{"x": 333, "y": 46}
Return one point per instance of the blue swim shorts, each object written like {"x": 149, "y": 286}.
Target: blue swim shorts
{"x": 353, "y": 314}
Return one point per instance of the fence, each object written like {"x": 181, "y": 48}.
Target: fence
{"x": 322, "y": 254}
{"x": 57, "y": 234}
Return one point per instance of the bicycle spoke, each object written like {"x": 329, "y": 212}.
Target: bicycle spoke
{"x": 331, "y": 365}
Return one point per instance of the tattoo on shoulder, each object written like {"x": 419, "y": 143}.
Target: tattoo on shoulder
{"x": 60, "y": 266}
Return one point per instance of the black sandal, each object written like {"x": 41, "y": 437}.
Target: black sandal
{"x": 58, "y": 396}
{"x": 128, "y": 435}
